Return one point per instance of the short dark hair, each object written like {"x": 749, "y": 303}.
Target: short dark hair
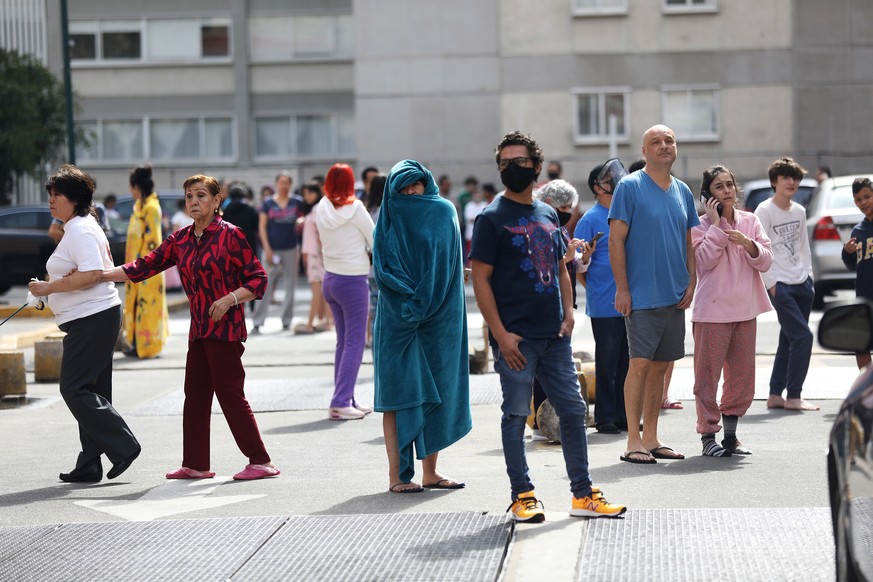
{"x": 75, "y": 185}
{"x": 637, "y": 165}
{"x": 471, "y": 180}
{"x": 557, "y": 163}
{"x": 860, "y": 183}
{"x": 443, "y": 178}
{"x": 141, "y": 177}
{"x": 785, "y": 166}
{"x": 211, "y": 183}
{"x": 826, "y": 170}
{"x": 534, "y": 151}
{"x": 592, "y": 177}
{"x": 367, "y": 170}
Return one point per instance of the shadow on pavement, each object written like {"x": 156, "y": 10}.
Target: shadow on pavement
{"x": 62, "y": 490}
{"x": 323, "y": 424}
{"x": 386, "y": 502}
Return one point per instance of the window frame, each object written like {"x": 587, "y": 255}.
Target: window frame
{"x": 292, "y": 119}
{"x": 601, "y": 93}
{"x": 689, "y": 90}
{"x": 710, "y": 7}
{"x": 289, "y": 54}
{"x": 578, "y": 10}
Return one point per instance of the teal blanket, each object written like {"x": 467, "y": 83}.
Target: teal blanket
{"x": 420, "y": 331}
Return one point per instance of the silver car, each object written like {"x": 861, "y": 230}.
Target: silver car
{"x": 830, "y": 218}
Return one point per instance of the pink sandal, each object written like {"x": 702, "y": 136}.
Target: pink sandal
{"x": 186, "y": 473}
{"x": 256, "y": 472}
{"x": 668, "y": 404}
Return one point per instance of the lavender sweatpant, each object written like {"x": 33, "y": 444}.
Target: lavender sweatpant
{"x": 349, "y": 299}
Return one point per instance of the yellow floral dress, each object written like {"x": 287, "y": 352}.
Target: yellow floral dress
{"x": 146, "y": 319}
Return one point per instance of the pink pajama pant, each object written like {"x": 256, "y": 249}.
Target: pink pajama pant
{"x": 728, "y": 346}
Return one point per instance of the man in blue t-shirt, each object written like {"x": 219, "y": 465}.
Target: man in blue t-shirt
{"x": 652, "y": 258}
{"x": 524, "y": 293}
{"x": 610, "y": 337}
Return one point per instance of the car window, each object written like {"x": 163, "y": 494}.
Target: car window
{"x": 758, "y": 195}
{"x": 841, "y": 197}
{"x": 28, "y": 220}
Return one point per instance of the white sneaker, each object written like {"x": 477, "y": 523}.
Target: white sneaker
{"x": 364, "y": 409}
{"x": 345, "y": 413}
{"x": 537, "y": 435}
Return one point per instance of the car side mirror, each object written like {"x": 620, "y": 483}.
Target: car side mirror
{"x": 847, "y": 326}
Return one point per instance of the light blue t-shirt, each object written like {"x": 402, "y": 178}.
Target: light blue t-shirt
{"x": 599, "y": 282}
{"x": 658, "y": 221}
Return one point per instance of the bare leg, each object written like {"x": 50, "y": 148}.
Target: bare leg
{"x": 634, "y": 390}
{"x": 665, "y": 398}
{"x": 775, "y": 401}
{"x": 654, "y": 386}
{"x": 431, "y": 477}
{"x": 313, "y": 305}
{"x": 389, "y": 428}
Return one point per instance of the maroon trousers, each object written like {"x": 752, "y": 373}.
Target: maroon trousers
{"x": 215, "y": 367}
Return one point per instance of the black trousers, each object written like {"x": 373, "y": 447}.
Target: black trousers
{"x": 86, "y": 386}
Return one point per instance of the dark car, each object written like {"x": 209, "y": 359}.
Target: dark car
{"x": 757, "y": 191}
{"x": 849, "y": 327}
{"x": 25, "y": 245}
{"x": 168, "y": 200}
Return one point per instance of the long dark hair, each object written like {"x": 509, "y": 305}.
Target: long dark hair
{"x": 377, "y": 189}
{"x": 141, "y": 177}
{"x": 312, "y": 186}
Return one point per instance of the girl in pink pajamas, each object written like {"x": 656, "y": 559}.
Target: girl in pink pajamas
{"x": 731, "y": 251}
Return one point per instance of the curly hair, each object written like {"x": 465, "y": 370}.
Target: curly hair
{"x": 534, "y": 151}
{"x": 557, "y": 194}
{"x": 75, "y": 185}
{"x": 785, "y": 166}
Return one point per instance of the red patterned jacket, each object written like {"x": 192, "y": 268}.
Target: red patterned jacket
{"x": 220, "y": 263}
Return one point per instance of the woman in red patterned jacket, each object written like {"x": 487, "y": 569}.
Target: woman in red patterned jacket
{"x": 219, "y": 273}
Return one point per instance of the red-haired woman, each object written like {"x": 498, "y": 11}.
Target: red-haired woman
{"x": 346, "y": 232}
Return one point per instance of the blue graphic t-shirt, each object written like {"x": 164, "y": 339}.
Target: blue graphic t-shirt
{"x": 523, "y": 243}
{"x": 282, "y": 222}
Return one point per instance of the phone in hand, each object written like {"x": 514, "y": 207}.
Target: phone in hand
{"x": 596, "y": 238}
{"x": 705, "y": 196}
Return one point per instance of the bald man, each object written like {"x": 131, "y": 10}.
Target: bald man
{"x": 652, "y": 258}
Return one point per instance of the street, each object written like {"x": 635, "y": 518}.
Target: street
{"x": 761, "y": 517}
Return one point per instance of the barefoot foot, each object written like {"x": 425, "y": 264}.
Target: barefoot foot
{"x": 800, "y": 404}
{"x": 775, "y": 402}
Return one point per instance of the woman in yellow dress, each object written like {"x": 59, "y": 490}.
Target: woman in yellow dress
{"x": 146, "y": 320}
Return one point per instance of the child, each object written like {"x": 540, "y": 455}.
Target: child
{"x": 789, "y": 282}
{"x": 319, "y": 312}
{"x": 858, "y": 251}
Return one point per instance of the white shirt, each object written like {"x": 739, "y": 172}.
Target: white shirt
{"x": 346, "y": 235}
{"x": 792, "y": 259}
{"x": 84, "y": 248}
{"x": 473, "y": 209}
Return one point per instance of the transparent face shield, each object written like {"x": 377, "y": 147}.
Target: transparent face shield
{"x": 610, "y": 174}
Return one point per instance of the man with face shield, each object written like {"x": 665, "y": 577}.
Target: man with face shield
{"x": 607, "y": 324}
{"x": 524, "y": 293}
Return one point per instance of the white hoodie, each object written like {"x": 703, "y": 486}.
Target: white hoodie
{"x": 346, "y": 235}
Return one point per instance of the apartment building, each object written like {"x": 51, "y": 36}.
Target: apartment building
{"x": 243, "y": 88}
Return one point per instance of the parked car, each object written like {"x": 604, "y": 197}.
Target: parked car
{"x": 25, "y": 245}
{"x": 757, "y": 191}
{"x": 830, "y": 217}
{"x": 849, "y": 327}
{"x": 124, "y": 205}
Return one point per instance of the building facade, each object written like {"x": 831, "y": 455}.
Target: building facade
{"x": 244, "y": 88}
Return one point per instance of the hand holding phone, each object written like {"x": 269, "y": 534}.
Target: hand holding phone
{"x": 705, "y": 196}
{"x": 595, "y": 238}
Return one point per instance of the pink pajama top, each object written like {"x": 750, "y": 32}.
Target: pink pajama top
{"x": 729, "y": 284}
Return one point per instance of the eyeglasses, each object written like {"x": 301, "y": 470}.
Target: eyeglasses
{"x": 520, "y": 162}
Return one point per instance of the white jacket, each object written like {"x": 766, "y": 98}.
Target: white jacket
{"x": 346, "y": 235}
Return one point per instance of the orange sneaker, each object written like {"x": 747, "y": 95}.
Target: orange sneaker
{"x": 527, "y": 508}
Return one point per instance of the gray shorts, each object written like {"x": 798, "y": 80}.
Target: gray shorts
{"x": 656, "y": 334}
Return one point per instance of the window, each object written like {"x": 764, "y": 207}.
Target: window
{"x": 284, "y": 38}
{"x": 155, "y": 40}
{"x": 304, "y": 136}
{"x": 594, "y": 108}
{"x": 162, "y": 140}
{"x": 599, "y": 7}
{"x": 692, "y": 112}
{"x": 685, "y": 6}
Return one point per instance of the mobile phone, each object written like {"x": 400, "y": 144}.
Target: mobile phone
{"x": 595, "y": 238}
{"x": 705, "y": 196}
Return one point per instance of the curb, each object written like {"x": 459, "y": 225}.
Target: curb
{"x": 17, "y": 341}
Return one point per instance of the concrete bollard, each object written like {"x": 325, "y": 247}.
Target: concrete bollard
{"x": 48, "y": 354}
{"x": 13, "y": 382}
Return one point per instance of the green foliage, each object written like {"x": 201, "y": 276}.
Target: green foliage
{"x": 32, "y": 119}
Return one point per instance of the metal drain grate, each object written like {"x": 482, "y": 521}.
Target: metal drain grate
{"x": 456, "y": 547}
{"x": 710, "y": 544}
{"x": 207, "y": 549}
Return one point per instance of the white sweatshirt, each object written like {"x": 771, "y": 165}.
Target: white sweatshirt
{"x": 792, "y": 260}
{"x": 346, "y": 235}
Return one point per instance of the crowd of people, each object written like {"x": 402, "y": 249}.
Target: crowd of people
{"x": 382, "y": 276}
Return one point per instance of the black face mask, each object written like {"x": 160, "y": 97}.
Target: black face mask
{"x": 517, "y": 179}
{"x": 563, "y": 217}
{"x": 554, "y": 176}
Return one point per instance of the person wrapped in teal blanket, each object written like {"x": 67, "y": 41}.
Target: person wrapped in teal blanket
{"x": 420, "y": 332}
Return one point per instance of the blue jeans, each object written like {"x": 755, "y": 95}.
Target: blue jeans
{"x": 551, "y": 361}
{"x": 793, "y": 304}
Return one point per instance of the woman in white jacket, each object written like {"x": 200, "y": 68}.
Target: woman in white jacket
{"x": 346, "y": 232}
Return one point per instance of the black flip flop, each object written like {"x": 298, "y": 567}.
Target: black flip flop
{"x": 393, "y": 488}
{"x": 658, "y": 455}
{"x": 628, "y": 459}
{"x": 439, "y": 485}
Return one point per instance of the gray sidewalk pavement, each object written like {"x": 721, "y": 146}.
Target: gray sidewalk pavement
{"x": 684, "y": 523}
